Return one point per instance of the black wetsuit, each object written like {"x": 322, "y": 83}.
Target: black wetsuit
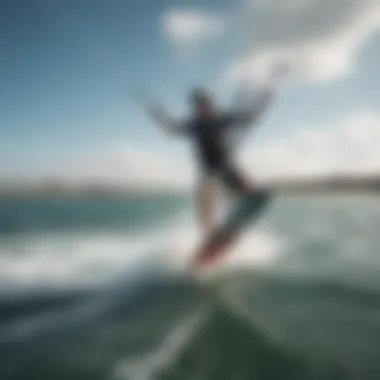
{"x": 213, "y": 150}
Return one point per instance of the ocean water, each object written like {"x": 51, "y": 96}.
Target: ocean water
{"x": 97, "y": 288}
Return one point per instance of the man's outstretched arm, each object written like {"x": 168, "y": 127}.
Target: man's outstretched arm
{"x": 156, "y": 112}
{"x": 162, "y": 118}
{"x": 265, "y": 96}
{"x": 253, "y": 113}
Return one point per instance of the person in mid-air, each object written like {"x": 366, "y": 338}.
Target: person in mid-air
{"x": 208, "y": 129}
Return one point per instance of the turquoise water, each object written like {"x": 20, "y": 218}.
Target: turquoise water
{"x": 308, "y": 309}
{"x": 41, "y": 215}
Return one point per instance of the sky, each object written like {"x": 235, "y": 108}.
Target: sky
{"x": 69, "y": 69}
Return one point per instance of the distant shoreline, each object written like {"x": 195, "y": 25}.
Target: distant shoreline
{"x": 330, "y": 186}
{"x": 85, "y": 193}
{"x": 308, "y": 187}
{"x": 126, "y": 194}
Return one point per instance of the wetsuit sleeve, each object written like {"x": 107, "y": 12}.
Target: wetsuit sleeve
{"x": 171, "y": 125}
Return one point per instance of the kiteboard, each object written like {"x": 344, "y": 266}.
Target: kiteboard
{"x": 216, "y": 245}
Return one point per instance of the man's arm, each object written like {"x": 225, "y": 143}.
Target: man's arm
{"x": 278, "y": 73}
{"x": 156, "y": 112}
{"x": 256, "y": 110}
{"x": 162, "y": 118}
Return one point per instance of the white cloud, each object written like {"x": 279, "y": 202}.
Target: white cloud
{"x": 123, "y": 165}
{"x": 318, "y": 39}
{"x": 191, "y": 28}
{"x": 351, "y": 147}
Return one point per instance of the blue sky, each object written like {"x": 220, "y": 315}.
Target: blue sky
{"x": 67, "y": 69}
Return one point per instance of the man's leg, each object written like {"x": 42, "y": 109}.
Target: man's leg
{"x": 206, "y": 203}
{"x": 235, "y": 181}
{"x": 216, "y": 244}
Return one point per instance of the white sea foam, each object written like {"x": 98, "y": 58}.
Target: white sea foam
{"x": 75, "y": 260}
{"x": 69, "y": 261}
{"x": 257, "y": 246}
